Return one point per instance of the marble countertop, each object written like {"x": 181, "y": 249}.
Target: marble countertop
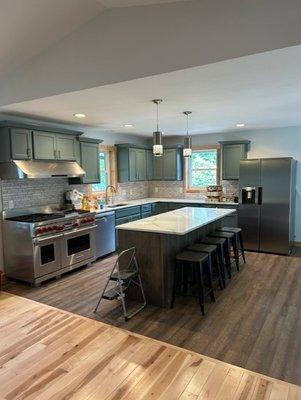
{"x": 148, "y": 200}
{"x": 178, "y": 222}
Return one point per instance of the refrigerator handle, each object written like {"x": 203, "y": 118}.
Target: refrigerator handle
{"x": 259, "y": 195}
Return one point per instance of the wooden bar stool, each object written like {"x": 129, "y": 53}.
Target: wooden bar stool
{"x": 222, "y": 252}
{"x": 211, "y": 250}
{"x": 239, "y": 239}
{"x": 198, "y": 261}
{"x": 231, "y": 239}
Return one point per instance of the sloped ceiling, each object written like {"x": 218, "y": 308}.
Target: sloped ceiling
{"x": 28, "y": 27}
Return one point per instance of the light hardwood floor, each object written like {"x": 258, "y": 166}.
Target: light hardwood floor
{"x": 47, "y": 353}
{"x": 255, "y": 323}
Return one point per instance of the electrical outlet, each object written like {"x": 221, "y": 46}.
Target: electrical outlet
{"x": 181, "y": 190}
{"x": 11, "y": 204}
{"x": 156, "y": 190}
{"x": 123, "y": 193}
{"x": 131, "y": 192}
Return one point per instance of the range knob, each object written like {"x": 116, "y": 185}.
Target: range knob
{"x": 76, "y": 224}
{"x": 61, "y": 227}
{"x": 43, "y": 229}
{"x": 38, "y": 231}
{"x": 49, "y": 228}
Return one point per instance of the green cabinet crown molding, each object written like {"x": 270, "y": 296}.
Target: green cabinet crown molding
{"x": 39, "y": 127}
{"x": 231, "y": 153}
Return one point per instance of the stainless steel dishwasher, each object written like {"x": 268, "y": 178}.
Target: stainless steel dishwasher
{"x": 105, "y": 234}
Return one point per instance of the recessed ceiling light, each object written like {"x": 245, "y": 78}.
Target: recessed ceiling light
{"x": 240, "y": 125}
{"x": 79, "y": 115}
{"x": 128, "y": 125}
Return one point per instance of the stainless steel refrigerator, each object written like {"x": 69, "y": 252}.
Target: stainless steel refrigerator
{"x": 266, "y": 210}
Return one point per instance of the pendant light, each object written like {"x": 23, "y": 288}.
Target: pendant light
{"x": 157, "y": 135}
{"x": 187, "y": 151}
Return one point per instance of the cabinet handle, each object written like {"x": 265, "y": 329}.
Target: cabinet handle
{"x": 59, "y": 154}
{"x": 29, "y": 152}
{"x": 54, "y": 153}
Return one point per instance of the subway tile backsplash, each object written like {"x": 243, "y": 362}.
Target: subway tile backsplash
{"x": 38, "y": 192}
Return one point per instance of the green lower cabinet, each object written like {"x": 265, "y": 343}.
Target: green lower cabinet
{"x": 89, "y": 153}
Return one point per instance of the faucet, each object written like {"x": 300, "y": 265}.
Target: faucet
{"x": 107, "y": 189}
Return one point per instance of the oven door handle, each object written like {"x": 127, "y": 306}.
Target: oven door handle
{"x": 79, "y": 230}
{"x": 36, "y": 241}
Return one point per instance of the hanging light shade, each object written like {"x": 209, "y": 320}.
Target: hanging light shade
{"x": 157, "y": 135}
{"x": 187, "y": 150}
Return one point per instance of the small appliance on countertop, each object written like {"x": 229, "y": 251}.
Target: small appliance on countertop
{"x": 44, "y": 242}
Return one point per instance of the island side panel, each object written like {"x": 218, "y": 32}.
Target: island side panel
{"x": 156, "y": 255}
{"x": 150, "y": 257}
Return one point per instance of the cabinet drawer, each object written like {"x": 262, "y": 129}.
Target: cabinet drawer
{"x": 146, "y": 208}
{"x": 146, "y": 214}
{"x": 126, "y": 212}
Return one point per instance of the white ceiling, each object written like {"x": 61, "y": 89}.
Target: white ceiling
{"x": 28, "y": 27}
{"x": 262, "y": 90}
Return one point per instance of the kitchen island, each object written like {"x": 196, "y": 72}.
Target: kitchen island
{"x": 158, "y": 239}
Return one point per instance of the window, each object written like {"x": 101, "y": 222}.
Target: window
{"x": 104, "y": 166}
{"x": 203, "y": 169}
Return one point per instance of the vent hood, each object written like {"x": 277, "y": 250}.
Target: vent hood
{"x": 19, "y": 169}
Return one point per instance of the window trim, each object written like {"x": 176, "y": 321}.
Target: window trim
{"x": 187, "y": 188}
{"x": 112, "y": 167}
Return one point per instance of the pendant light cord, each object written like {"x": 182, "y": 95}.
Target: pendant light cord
{"x": 157, "y": 117}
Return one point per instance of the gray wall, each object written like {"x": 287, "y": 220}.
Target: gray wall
{"x": 134, "y": 42}
{"x": 279, "y": 142}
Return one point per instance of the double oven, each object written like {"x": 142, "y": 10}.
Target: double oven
{"x": 65, "y": 250}
{"x": 40, "y": 246}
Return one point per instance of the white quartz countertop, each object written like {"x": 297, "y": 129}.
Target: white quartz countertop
{"x": 148, "y": 200}
{"x": 178, "y": 222}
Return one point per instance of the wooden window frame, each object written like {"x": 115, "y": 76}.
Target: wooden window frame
{"x": 187, "y": 188}
{"x": 112, "y": 171}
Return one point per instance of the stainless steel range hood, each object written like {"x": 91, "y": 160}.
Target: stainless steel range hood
{"x": 19, "y": 169}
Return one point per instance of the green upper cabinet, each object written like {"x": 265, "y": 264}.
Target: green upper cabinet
{"x": 132, "y": 163}
{"x": 158, "y": 168}
{"x": 149, "y": 165}
{"x": 89, "y": 153}
{"x": 53, "y": 146}
{"x": 137, "y": 164}
{"x": 44, "y": 145}
{"x": 232, "y": 152}
{"x": 141, "y": 164}
{"x": 169, "y": 167}
{"x": 66, "y": 147}
{"x": 21, "y": 144}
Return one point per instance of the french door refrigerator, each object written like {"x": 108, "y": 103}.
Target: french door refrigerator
{"x": 266, "y": 211}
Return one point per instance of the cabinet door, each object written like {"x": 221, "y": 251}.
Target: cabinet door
{"x": 66, "y": 147}
{"x": 90, "y": 162}
{"x": 133, "y": 165}
{"x": 170, "y": 164}
{"x": 44, "y": 145}
{"x": 231, "y": 156}
{"x": 141, "y": 164}
{"x": 158, "y": 168}
{"x": 21, "y": 144}
{"x": 149, "y": 165}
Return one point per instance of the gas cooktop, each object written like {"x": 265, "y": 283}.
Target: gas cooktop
{"x": 41, "y": 217}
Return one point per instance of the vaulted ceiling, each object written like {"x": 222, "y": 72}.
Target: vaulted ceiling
{"x": 29, "y": 27}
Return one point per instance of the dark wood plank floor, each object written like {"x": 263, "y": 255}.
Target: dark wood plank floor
{"x": 255, "y": 323}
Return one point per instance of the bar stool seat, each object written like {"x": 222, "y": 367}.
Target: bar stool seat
{"x": 192, "y": 256}
{"x": 211, "y": 250}
{"x": 239, "y": 238}
{"x": 232, "y": 242}
{"x": 222, "y": 252}
{"x": 198, "y": 261}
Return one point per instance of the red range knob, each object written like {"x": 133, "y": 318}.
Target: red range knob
{"x": 49, "y": 228}
{"x": 43, "y": 230}
{"x": 76, "y": 224}
{"x": 38, "y": 231}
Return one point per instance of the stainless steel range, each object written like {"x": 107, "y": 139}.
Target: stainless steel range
{"x": 43, "y": 243}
